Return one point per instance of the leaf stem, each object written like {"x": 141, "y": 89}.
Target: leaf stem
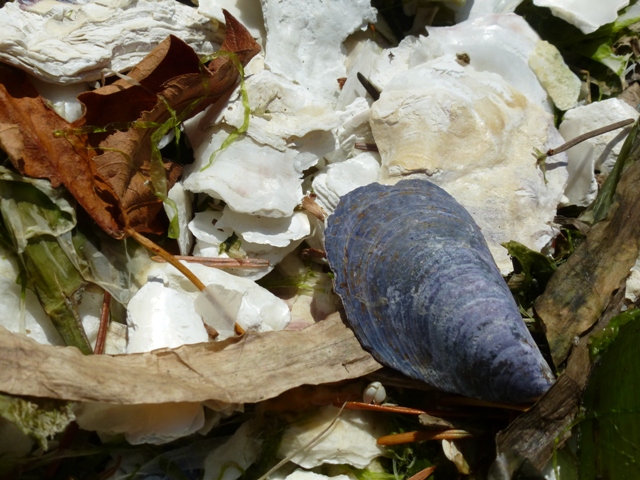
{"x": 154, "y": 248}
{"x": 585, "y": 136}
{"x": 105, "y": 313}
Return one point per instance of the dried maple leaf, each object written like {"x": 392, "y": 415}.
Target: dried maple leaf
{"x": 113, "y": 174}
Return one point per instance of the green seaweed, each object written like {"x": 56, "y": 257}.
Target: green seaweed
{"x": 235, "y": 134}
{"x": 40, "y": 419}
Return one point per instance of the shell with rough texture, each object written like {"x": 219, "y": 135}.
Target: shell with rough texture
{"x": 422, "y": 293}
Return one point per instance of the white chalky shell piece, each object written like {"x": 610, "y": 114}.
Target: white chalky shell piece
{"x": 500, "y": 43}
{"x": 204, "y": 227}
{"x": 374, "y": 393}
{"x": 250, "y": 177}
{"x": 183, "y": 200}
{"x": 473, "y": 135}
{"x": 281, "y": 110}
{"x": 351, "y": 440}
{"x": 304, "y": 40}
{"x": 144, "y": 423}
{"x": 248, "y": 13}
{"x": 587, "y": 15}
{"x": 62, "y": 98}
{"x": 633, "y": 283}
{"x": 277, "y": 232}
{"x": 71, "y": 42}
{"x": 598, "y": 153}
{"x": 338, "y": 179}
{"x": 164, "y": 312}
{"x": 162, "y": 317}
{"x": 242, "y": 449}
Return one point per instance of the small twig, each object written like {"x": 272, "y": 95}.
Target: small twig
{"x": 382, "y": 408}
{"x": 310, "y": 205}
{"x": 422, "y": 474}
{"x": 152, "y": 247}
{"x": 421, "y": 436}
{"x": 585, "y": 136}
{"x": 310, "y": 253}
{"x": 220, "y": 262}
{"x": 105, "y": 314}
{"x": 371, "y": 90}
{"x": 367, "y": 147}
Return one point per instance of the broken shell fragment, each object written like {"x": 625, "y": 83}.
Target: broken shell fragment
{"x": 75, "y": 41}
{"x": 424, "y": 296}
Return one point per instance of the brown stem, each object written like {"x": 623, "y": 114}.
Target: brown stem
{"x": 367, "y": 147}
{"x": 422, "y": 474}
{"x": 149, "y": 245}
{"x": 368, "y": 86}
{"x": 216, "y": 262}
{"x": 420, "y": 436}
{"x": 105, "y": 314}
{"x": 585, "y": 136}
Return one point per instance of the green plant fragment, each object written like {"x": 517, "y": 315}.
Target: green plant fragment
{"x": 59, "y": 287}
{"x": 234, "y": 135}
{"x": 41, "y": 420}
{"x": 629, "y": 153}
{"x": 610, "y": 433}
{"x": 600, "y": 342}
{"x": 32, "y": 207}
{"x": 530, "y": 279}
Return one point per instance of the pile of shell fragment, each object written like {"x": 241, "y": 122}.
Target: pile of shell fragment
{"x": 465, "y": 107}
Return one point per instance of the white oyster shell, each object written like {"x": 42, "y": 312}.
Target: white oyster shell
{"x": 75, "y": 41}
{"x": 145, "y": 423}
{"x": 338, "y": 179}
{"x": 502, "y": 44}
{"x": 351, "y": 440}
{"x": 587, "y": 15}
{"x": 280, "y": 111}
{"x": 165, "y": 315}
{"x": 278, "y": 232}
{"x": 248, "y": 12}
{"x": 473, "y": 135}
{"x": 598, "y": 153}
{"x": 304, "y": 40}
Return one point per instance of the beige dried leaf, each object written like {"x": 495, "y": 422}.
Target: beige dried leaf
{"x": 250, "y": 369}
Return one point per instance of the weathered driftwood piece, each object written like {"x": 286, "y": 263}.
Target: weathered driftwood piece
{"x": 531, "y": 439}
{"x": 584, "y": 293}
{"x": 581, "y": 289}
{"x": 242, "y": 370}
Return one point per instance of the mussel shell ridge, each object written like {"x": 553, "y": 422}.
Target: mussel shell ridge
{"x": 422, "y": 293}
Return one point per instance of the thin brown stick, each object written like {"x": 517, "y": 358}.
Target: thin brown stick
{"x": 220, "y": 262}
{"x": 152, "y": 247}
{"x": 381, "y": 408}
{"x": 585, "y": 136}
{"x": 421, "y": 436}
{"x": 105, "y": 314}
{"x": 309, "y": 204}
{"x": 367, "y": 147}
{"x": 422, "y": 474}
{"x": 368, "y": 86}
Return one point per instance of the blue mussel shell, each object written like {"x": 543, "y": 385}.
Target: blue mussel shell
{"x": 422, "y": 293}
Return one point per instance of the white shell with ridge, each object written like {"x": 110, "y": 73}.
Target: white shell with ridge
{"x": 75, "y": 41}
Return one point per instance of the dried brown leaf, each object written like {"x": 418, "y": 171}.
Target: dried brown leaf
{"x": 109, "y": 173}
{"x": 250, "y": 369}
